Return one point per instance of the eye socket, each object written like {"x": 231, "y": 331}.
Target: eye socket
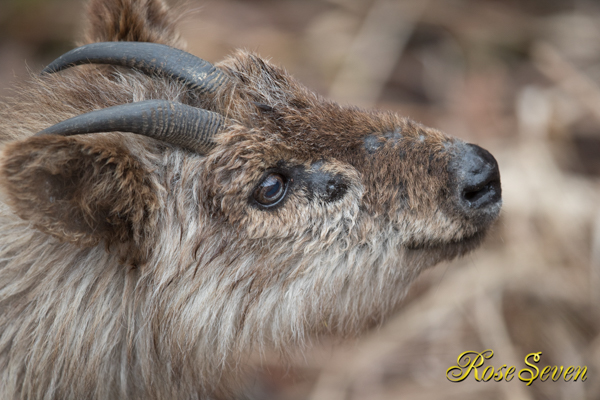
{"x": 271, "y": 190}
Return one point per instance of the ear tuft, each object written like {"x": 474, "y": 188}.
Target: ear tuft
{"x": 80, "y": 190}
{"x": 131, "y": 21}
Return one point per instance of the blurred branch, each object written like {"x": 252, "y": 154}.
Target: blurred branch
{"x": 567, "y": 77}
{"x": 492, "y": 329}
{"x": 375, "y": 51}
{"x": 595, "y": 263}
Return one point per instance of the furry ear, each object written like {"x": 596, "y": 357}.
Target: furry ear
{"x": 131, "y": 21}
{"x": 82, "y": 189}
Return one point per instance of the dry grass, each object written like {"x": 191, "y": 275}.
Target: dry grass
{"x": 519, "y": 78}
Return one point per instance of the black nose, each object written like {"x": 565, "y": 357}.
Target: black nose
{"x": 478, "y": 178}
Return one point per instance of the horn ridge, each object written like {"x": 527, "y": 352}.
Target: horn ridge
{"x": 176, "y": 123}
{"x": 150, "y": 58}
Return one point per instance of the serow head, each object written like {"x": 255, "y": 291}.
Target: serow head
{"x": 306, "y": 211}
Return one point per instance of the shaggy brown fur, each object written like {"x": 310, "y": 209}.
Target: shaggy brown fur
{"x": 131, "y": 268}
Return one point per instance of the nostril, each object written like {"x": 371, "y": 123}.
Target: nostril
{"x": 485, "y": 193}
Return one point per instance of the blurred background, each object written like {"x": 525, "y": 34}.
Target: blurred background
{"x": 518, "y": 77}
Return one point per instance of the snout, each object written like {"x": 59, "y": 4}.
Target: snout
{"x": 477, "y": 177}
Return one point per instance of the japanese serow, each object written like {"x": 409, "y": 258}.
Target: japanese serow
{"x": 163, "y": 217}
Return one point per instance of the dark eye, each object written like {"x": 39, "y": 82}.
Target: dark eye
{"x": 271, "y": 190}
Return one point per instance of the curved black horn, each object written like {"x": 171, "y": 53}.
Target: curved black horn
{"x": 175, "y": 123}
{"x": 149, "y": 58}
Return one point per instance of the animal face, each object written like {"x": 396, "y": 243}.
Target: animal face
{"x": 422, "y": 188}
{"x": 247, "y": 210}
{"x": 276, "y": 166}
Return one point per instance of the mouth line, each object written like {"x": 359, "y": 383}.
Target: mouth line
{"x": 463, "y": 245}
